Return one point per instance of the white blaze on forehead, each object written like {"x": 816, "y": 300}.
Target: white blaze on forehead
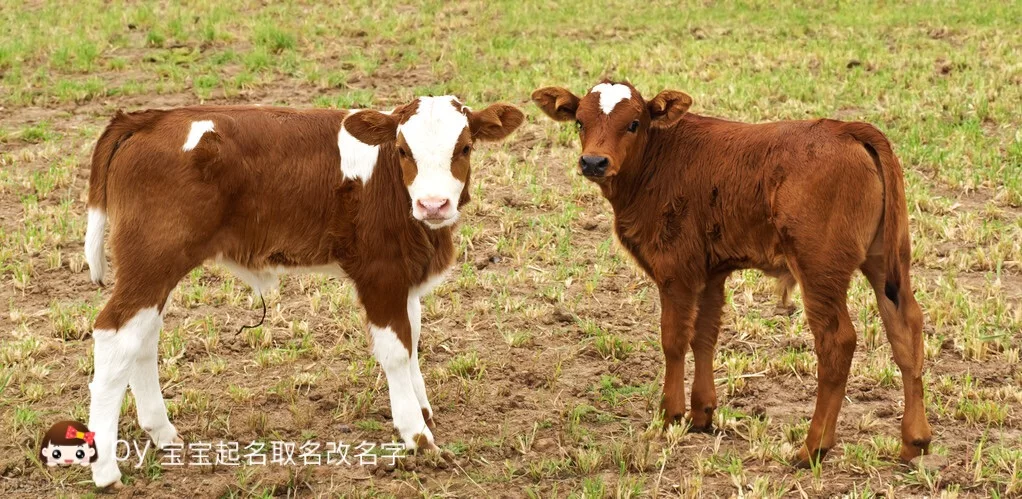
{"x": 198, "y": 129}
{"x": 431, "y": 134}
{"x": 611, "y": 94}
{"x": 358, "y": 159}
{"x": 433, "y": 130}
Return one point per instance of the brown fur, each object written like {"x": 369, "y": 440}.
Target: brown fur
{"x": 696, "y": 198}
{"x": 489, "y": 124}
{"x": 264, "y": 189}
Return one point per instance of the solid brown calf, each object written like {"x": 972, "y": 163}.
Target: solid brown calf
{"x": 696, "y": 198}
{"x": 266, "y": 190}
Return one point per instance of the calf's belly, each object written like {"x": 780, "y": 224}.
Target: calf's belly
{"x": 266, "y": 278}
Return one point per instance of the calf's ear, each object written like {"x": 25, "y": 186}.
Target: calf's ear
{"x": 371, "y": 127}
{"x": 494, "y": 122}
{"x": 557, "y": 102}
{"x": 668, "y": 107}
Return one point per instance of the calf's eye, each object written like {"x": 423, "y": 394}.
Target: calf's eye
{"x": 401, "y": 152}
{"x": 633, "y": 126}
{"x": 466, "y": 150}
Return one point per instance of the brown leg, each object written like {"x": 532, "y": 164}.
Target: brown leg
{"x": 677, "y": 325}
{"x": 904, "y": 326}
{"x": 704, "y": 345}
{"x": 824, "y": 297}
{"x": 785, "y": 287}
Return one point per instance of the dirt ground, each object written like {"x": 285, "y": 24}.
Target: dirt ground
{"x": 528, "y": 398}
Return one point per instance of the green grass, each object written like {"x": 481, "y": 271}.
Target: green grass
{"x": 541, "y": 351}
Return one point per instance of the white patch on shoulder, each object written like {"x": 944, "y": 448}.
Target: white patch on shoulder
{"x": 358, "y": 159}
{"x": 611, "y": 94}
{"x": 199, "y": 128}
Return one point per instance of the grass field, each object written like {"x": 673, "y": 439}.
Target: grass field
{"x": 541, "y": 352}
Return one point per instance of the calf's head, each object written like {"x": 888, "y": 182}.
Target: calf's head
{"x": 613, "y": 122}
{"x": 434, "y": 137}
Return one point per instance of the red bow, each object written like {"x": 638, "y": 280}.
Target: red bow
{"x": 88, "y": 436}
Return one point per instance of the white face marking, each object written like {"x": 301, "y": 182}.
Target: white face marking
{"x": 431, "y": 134}
{"x": 611, "y": 94}
{"x": 195, "y": 134}
{"x": 358, "y": 159}
{"x": 115, "y": 356}
{"x": 395, "y": 360}
{"x": 94, "y": 254}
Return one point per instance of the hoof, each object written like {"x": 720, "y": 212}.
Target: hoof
{"x": 112, "y": 488}
{"x": 422, "y": 443}
{"x": 165, "y": 437}
{"x": 106, "y": 475}
{"x": 701, "y": 421}
{"x": 676, "y": 419}
{"x": 426, "y": 416}
{"x": 806, "y": 459}
{"x": 707, "y": 429}
{"x": 914, "y": 449}
{"x": 438, "y": 459}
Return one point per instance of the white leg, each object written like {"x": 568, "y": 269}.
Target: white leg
{"x": 145, "y": 386}
{"x": 418, "y": 383}
{"x": 394, "y": 358}
{"x": 94, "y": 253}
{"x": 115, "y": 357}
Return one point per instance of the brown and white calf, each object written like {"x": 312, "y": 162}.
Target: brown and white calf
{"x": 696, "y": 198}
{"x": 268, "y": 190}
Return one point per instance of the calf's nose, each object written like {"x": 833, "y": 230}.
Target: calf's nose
{"x": 432, "y": 207}
{"x": 593, "y": 166}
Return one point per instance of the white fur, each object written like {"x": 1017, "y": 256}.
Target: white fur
{"x": 611, "y": 94}
{"x": 266, "y": 279}
{"x": 358, "y": 159}
{"x": 116, "y": 355}
{"x": 418, "y": 382}
{"x": 415, "y": 319}
{"x": 432, "y": 133}
{"x": 94, "y": 254}
{"x": 395, "y": 360}
{"x": 427, "y": 286}
{"x": 199, "y": 128}
{"x": 145, "y": 386}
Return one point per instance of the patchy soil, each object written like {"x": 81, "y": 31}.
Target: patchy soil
{"x": 524, "y": 416}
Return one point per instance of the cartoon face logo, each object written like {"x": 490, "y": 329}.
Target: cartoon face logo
{"x": 68, "y": 443}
